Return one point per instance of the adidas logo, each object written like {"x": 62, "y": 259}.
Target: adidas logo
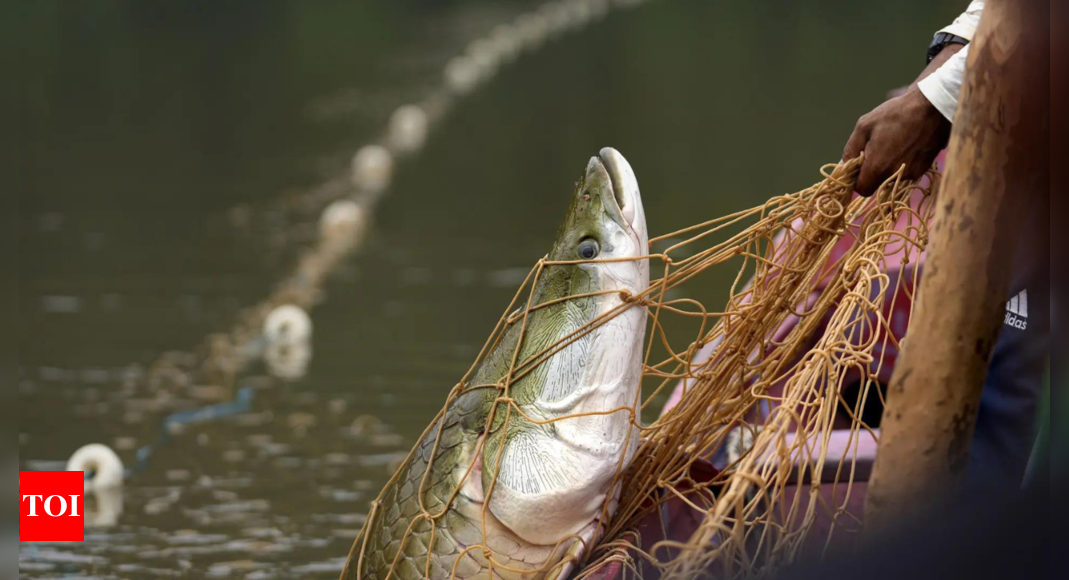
{"x": 1017, "y": 311}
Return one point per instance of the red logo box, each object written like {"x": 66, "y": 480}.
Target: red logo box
{"x": 52, "y": 506}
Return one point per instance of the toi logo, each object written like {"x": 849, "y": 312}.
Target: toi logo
{"x": 51, "y": 506}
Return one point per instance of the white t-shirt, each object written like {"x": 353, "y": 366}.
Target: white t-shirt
{"x": 943, "y": 86}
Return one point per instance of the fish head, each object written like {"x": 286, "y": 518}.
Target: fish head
{"x": 586, "y": 331}
{"x": 578, "y": 369}
{"x": 605, "y": 228}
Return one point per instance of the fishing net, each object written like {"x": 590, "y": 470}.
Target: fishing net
{"x": 817, "y": 321}
{"x": 777, "y": 382}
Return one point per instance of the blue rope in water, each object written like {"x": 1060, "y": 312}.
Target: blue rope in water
{"x": 242, "y": 403}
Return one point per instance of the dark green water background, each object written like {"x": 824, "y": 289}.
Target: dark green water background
{"x": 160, "y": 137}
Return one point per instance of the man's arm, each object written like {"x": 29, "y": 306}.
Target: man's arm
{"x": 912, "y": 128}
{"x": 904, "y": 130}
{"x": 943, "y": 86}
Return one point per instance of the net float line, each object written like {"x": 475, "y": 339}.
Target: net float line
{"x": 347, "y": 204}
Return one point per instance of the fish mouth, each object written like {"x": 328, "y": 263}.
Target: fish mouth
{"x": 626, "y": 206}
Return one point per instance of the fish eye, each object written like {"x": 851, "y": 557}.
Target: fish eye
{"x": 588, "y": 249}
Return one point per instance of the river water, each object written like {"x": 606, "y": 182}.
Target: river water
{"x": 167, "y": 142}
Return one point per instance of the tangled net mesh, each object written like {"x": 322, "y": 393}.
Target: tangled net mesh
{"x": 770, "y": 368}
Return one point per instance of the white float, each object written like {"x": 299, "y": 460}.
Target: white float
{"x": 558, "y": 17}
{"x": 461, "y": 75}
{"x": 407, "y": 130}
{"x": 287, "y": 324}
{"x": 507, "y": 41}
{"x": 102, "y": 466}
{"x": 343, "y": 217}
{"x": 532, "y": 29}
{"x": 483, "y": 54}
{"x": 372, "y": 168}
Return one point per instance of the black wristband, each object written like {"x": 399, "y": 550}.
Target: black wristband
{"x": 940, "y": 41}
